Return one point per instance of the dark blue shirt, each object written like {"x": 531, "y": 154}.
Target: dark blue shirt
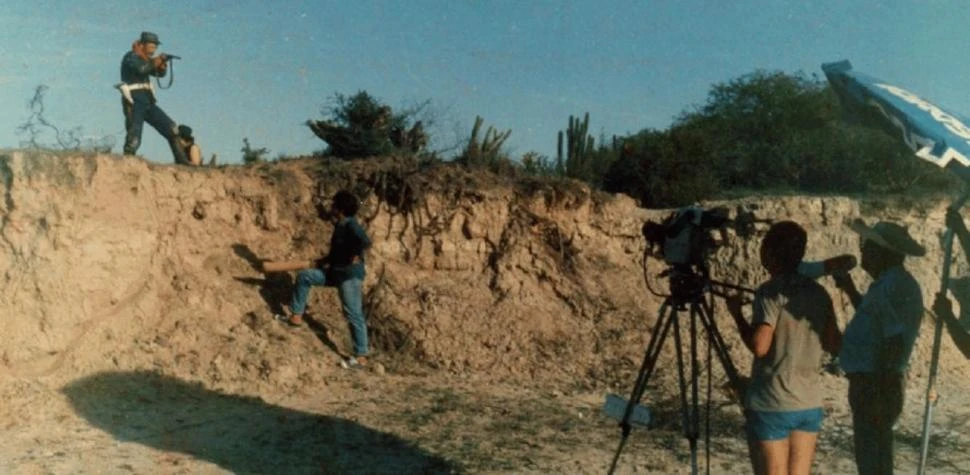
{"x": 349, "y": 240}
{"x": 892, "y": 306}
{"x": 136, "y": 70}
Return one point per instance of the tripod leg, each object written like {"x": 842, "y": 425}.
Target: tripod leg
{"x": 695, "y": 370}
{"x": 682, "y": 379}
{"x": 666, "y": 316}
{"x": 715, "y": 345}
{"x": 707, "y": 416}
{"x": 650, "y": 359}
{"x": 693, "y": 430}
{"x": 720, "y": 348}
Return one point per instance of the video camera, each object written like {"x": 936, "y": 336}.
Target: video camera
{"x": 684, "y": 237}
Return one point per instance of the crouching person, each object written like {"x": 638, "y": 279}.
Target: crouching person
{"x": 343, "y": 268}
{"x": 793, "y": 322}
{"x": 191, "y": 150}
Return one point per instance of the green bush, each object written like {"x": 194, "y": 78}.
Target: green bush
{"x": 536, "y": 164}
{"x": 661, "y": 169}
{"x": 253, "y": 155}
{"x": 361, "y": 126}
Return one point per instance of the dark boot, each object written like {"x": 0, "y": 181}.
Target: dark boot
{"x": 178, "y": 152}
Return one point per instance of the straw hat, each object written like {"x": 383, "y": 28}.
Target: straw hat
{"x": 890, "y": 236}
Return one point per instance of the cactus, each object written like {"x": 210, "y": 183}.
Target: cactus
{"x": 488, "y": 150}
{"x": 579, "y": 149}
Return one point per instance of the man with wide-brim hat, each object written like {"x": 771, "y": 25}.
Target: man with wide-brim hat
{"x": 138, "y": 100}
{"x": 879, "y": 339}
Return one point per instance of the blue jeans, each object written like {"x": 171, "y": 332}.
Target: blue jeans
{"x": 351, "y": 292}
{"x": 144, "y": 110}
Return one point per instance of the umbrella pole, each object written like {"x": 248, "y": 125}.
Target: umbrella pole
{"x": 938, "y": 337}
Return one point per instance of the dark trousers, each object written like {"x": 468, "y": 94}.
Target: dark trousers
{"x": 876, "y": 403}
{"x": 144, "y": 110}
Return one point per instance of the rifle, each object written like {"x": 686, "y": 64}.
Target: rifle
{"x": 286, "y": 266}
{"x": 171, "y": 77}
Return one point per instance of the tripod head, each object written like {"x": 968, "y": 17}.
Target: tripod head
{"x": 687, "y": 283}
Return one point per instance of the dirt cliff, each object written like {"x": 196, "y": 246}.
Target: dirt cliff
{"x": 114, "y": 265}
{"x": 117, "y": 263}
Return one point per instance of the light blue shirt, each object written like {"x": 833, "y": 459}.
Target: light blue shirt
{"x": 892, "y": 306}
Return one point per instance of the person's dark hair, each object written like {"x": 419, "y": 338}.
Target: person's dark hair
{"x": 786, "y": 240}
{"x": 346, "y": 203}
{"x": 185, "y": 132}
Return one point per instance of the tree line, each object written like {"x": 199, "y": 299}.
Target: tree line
{"x": 761, "y": 132}
{"x": 766, "y": 131}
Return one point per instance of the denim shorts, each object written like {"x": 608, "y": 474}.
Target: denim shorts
{"x": 778, "y": 425}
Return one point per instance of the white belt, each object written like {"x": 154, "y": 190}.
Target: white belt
{"x": 127, "y": 88}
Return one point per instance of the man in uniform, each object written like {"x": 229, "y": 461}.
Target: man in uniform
{"x": 138, "y": 96}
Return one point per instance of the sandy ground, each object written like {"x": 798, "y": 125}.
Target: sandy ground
{"x": 366, "y": 422}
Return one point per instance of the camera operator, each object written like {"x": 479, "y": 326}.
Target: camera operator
{"x": 138, "y": 99}
{"x": 793, "y": 322}
{"x": 879, "y": 340}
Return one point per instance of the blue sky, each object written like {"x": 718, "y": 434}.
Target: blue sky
{"x": 260, "y": 69}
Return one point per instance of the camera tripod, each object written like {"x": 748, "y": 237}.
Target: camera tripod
{"x": 691, "y": 295}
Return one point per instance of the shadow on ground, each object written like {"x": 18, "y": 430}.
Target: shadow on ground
{"x": 323, "y": 334}
{"x": 240, "y": 434}
{"x": 275, "y": 289}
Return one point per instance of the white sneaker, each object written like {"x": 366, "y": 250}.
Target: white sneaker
{"x": 351, "y": 363}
